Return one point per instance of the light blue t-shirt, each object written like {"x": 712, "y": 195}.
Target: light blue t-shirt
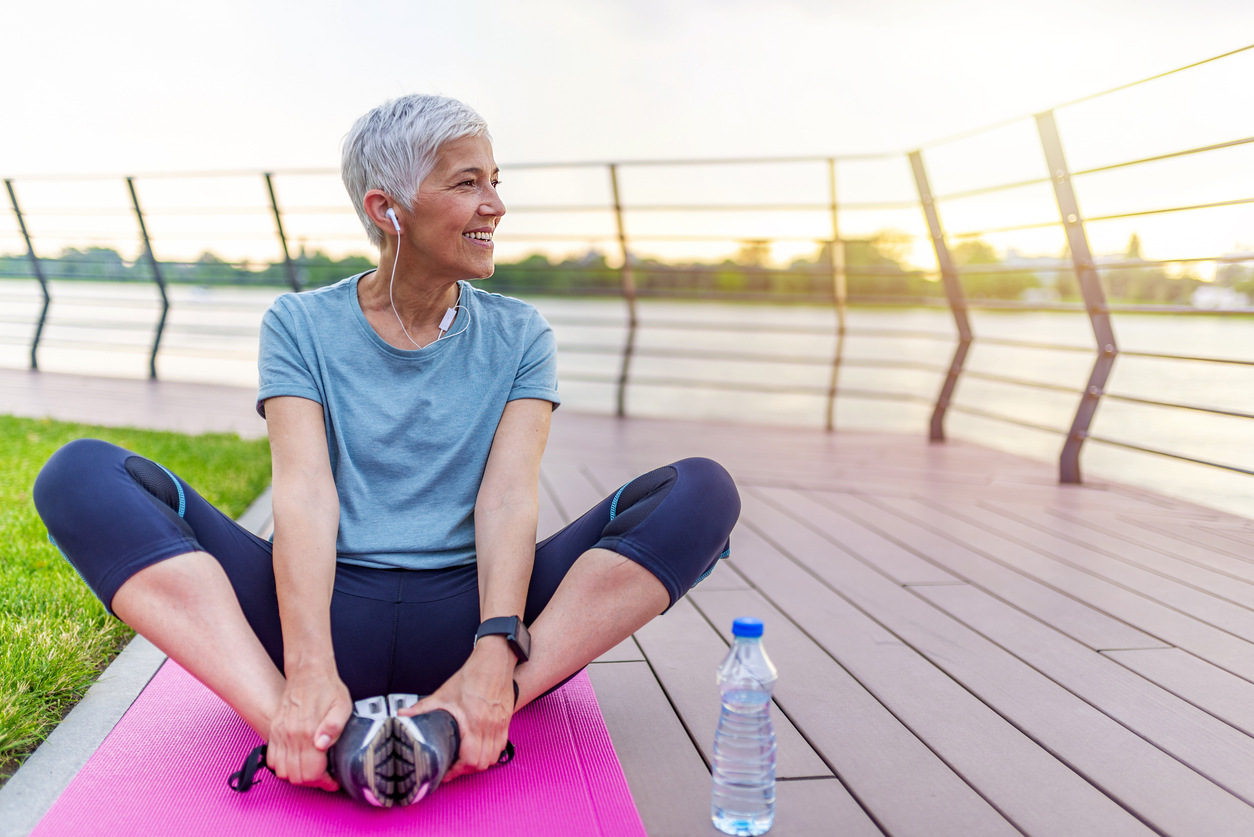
{"x": 408, "y": 431}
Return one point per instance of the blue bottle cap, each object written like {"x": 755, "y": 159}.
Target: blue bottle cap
{"x": 747, "y": 626}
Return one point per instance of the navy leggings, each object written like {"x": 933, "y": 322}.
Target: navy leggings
{"x": 113, "y": 513}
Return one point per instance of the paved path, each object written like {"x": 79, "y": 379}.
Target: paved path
{"x": 129, "y": 402}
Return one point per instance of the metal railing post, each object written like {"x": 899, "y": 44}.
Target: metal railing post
{"x": 840, "y": 294}
{"x": 39, "y": 274}
{"x": 292, "y": 278}
{"x": 953, "y": 292}
{"x": 628, "y": 285}
{"x": 1090, "y": 289}
{"x": 156, "y": 275}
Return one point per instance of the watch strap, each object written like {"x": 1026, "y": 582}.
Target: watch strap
{"x": 514, "y": 631}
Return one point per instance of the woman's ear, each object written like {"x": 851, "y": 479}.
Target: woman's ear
{"x": 378, "y": 205}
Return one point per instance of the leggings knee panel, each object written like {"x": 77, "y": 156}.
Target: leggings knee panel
{"x": 100, "y": 514}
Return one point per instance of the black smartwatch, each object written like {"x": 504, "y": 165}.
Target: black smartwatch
{"x": 514, "y": 631}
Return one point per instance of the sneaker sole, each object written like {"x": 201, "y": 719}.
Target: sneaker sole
{"x": 389, "y": 763}
{"x": 377, "y": 765}
{"x": 404, "y": 778}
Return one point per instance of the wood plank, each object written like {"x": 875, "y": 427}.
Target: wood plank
{"x": 899, "y": 564}
{"x": 1227, "y": 697}
{"x": 1169, "y": 626}
{"x": 1048, "y": 495}
{"x": 626, "y": 651}
{"x": 819, "y": 808}
{"x": 1202, "y": 567}
{"x": 667, "y": 778}
{"x": 1165, "y": 793}
{"x": 841, "y": 514}
{"x": 1026, "y": 783}
{"x": 680, "y": 647}
{"x": 1211, "y": 539}
{"x": 966, "y": 524}
{"x": 1211, "y": 549}
{"x": 1130, "y": 529}
{"x": 1242, "y": 535}
{"x": 1209, "y": 746}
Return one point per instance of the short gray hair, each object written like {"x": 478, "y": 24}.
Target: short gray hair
{"x": 395, "y": 146}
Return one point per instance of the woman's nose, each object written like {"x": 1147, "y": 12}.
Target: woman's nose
{"x": 492, "y": 204}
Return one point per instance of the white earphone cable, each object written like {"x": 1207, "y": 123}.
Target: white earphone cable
{"x": 391, "y": 301}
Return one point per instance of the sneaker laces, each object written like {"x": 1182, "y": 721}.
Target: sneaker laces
{"x": 244, "y": 778}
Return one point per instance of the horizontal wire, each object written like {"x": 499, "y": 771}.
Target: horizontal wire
{"x": 1168, "y": 156}
{"x": 1216, "y": 411}
{"x": 987, "y": 414}
{"x": 1158, "y": 452}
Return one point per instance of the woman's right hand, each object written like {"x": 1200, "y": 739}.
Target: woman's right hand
{"x": 312, "y": 713}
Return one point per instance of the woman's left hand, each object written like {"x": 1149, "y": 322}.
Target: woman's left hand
{"x": 481, "y": 697}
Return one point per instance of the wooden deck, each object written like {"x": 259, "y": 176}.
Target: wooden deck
{"x": 964, "y": 647}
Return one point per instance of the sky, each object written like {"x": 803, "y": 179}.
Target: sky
{"x": 138, "y": 87}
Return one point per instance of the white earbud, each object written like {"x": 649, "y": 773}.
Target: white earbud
{"x": 391, "y": 213}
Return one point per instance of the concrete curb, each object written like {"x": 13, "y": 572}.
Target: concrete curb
{"x": 39, "y": 782}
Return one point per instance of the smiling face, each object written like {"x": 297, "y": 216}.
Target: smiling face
{"x": 450, "y": 229}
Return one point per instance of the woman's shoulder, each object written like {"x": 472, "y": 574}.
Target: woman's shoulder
{"x": 309, "y": 302}
{"x": 504, "y": 307}
{"x": 486, "y": 297}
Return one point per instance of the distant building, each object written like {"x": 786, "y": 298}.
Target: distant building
{"x": 1219, "y": 298}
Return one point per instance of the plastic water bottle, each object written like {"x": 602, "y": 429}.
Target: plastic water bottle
{"x": 743, "y": 802}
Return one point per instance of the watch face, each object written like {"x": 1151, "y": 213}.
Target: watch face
{"x": 522, "y": 640}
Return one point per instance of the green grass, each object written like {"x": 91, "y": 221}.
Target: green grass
{"x": 55, "y": 637}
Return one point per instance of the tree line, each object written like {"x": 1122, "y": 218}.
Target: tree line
{"x": 874, "y": 268}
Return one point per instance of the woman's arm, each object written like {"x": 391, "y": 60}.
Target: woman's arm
{"x": 507, "y": 508}
{"x": 481, "y": 694}
{"x": 315, "y": 703}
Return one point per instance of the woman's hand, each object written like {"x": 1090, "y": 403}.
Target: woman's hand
{"x": 481, "y": 697}
{"x": 311, "y": 715}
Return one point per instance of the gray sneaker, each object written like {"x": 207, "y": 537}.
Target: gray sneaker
{"x": 384, "y": 760}
{"x": 381, "y": 758}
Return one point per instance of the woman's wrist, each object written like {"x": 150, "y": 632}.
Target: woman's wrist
{"x": 495, "y": 649}
{"x": 310, "y": 664}
{"x": 494, "y": 660}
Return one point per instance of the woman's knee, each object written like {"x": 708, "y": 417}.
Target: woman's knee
{"x": 711, "y": 475}
{"x": 65, "y": 480}
{"x": 709, "y": 491}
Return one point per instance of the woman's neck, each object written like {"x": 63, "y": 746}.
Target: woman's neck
{"x": 405, "y": 312}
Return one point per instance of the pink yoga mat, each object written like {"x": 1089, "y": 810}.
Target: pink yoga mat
{"x": 163, "y": 770}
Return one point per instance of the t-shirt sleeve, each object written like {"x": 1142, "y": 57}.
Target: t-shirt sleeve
{"x": 537, "y": 373}
{"x": 285, "y": 358}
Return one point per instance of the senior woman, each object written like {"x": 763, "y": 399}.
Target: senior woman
{"x": 407, "y": 412}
